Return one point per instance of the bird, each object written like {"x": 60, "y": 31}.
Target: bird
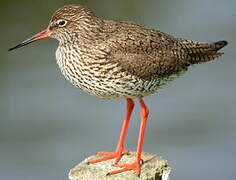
{"x": 120, "y": 60}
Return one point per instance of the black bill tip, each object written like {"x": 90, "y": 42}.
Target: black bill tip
{"x": 15, "y": 47}
{"x": 21, "y": 44}
{"x": 42, "y": 35}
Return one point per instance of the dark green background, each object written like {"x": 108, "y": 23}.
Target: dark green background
{"x": 47, "y": 126}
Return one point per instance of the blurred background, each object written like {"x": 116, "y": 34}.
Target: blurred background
{"x": 47, "y": 126}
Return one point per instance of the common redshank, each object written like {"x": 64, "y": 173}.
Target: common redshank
{"x": 120, "y": 60}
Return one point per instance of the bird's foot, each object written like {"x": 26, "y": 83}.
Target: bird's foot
{"x": 136, "y": 166}
{"x": 110, "y": 155}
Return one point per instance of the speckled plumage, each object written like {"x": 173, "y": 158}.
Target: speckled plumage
{"x": 117, "y": 59}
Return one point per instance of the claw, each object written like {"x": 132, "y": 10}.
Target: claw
{"x": 110, "y": 155}
{"x": 128, "y": 167}
{"x": 125, "y": 151}
{"x": 141, "y": 161}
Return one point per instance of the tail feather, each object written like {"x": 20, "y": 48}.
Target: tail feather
{"x": 220, "y": 44}
{"x": 203, "y": 52}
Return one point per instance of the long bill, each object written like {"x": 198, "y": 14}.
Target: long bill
{"x": 42, "y": 35}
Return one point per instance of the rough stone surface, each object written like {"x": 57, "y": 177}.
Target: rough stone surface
{"x": 153, "y": 168}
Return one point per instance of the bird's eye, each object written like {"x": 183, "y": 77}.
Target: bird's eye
{"x": 61, "y": 23}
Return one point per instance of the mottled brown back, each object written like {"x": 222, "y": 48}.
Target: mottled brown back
{"x": 146, "y": 52}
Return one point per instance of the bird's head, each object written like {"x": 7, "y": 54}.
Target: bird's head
{"x": 66, "y": 23}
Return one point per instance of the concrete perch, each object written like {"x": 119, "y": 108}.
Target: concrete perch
{"x": 153, "y": 168}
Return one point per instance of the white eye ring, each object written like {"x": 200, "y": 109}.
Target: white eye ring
{"x": 61, "y": 22}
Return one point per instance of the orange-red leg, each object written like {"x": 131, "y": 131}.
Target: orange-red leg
{"x": 137, "y": 163}
{"x": 120, "y": 150}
